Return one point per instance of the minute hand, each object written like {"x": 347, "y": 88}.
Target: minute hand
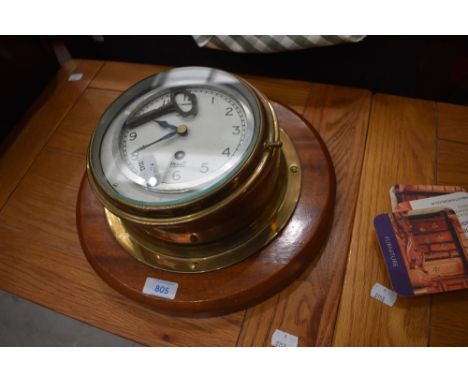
{"x": 164, "y": 137}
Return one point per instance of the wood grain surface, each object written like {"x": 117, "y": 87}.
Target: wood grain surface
{"x": 41, "y": 121}
{"x": 308, "y": 308}
{"x": 400, "y": 148}
{"x": 41, "y": 259}
{"x": 453, "y": 122}
{"x": 451, "y": 164}
{"x": 449, "y": 311}
{"x": 50, "y": 268}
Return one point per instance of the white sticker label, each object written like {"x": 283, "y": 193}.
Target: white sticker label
{"x": 283, "y": 339}
{"x": 385, "y": 295}
{"x": 160, "y": 288}
{"x": 75, "y": 77}
{"x": 147, "y": 166}
{"x": 457, "y": 201}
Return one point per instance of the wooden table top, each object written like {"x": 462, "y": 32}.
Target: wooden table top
{"x": 375, "y": 141}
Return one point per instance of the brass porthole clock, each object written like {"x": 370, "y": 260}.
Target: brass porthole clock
{"x": 196, "y": 179}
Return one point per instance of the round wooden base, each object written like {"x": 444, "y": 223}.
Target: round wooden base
{"x": 240, "y": 285}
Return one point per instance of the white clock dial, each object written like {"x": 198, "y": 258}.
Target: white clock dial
{"x": 210, "y": 141}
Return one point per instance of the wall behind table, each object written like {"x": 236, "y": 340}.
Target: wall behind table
{"x": 27, "y": 64}
{"x": 428, "y": 67}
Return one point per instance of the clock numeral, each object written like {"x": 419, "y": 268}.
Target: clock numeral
{"x": 212, "y": 100}
{"x": 134, "y": 156}
{"x": 204, "y": 168}
{"x": 186, "y": 100}
{"x": 133, "y": 135}
{"x": 176, "y": 175}
{"x": 226, "y": 151}
{"x": 229, "y": 111}
{"x": 115, "y": 185}
{"x": 236, "y": 130}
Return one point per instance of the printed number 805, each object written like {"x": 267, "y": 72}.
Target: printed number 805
{"x": 161, "y": 289}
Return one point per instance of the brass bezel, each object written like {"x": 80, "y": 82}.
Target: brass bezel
{"x": 258, "y": 159}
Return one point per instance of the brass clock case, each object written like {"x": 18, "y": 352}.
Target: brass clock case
{"x": 222, "y": 227}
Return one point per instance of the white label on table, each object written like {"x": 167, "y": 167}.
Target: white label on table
{"x": 283, "y": 339}
{"x": 385, "y": 295}
{"x": 75, "y": 77}
{"x": 457, "y": 201}
{"x": 160, "y": 288}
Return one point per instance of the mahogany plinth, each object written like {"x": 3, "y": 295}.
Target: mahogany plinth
{"x": 245, "y": 283}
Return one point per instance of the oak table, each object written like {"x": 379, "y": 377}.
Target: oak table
{"x": 374, "y": 141}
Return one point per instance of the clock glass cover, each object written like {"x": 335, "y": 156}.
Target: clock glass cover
{"x": 176, "y": 136}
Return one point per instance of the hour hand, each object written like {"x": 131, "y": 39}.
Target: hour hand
{"x": 165, "y": 124}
